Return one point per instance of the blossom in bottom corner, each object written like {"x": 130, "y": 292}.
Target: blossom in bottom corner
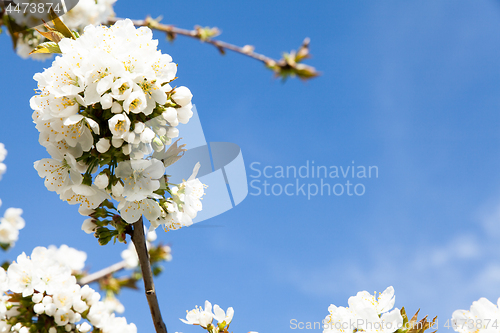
{"x": 59, "y": 304}
{"x": 223, "y": 318}
{"x": 366, "y": 312}
{"x": 205, "y": 317}
{"x": 199, "y": 316}
{"x": 483, "y": 317}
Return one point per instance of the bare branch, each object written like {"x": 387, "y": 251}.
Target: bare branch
{"x": 139, "y": 241}
{"x": 287, "y": 66}
{"x": 94, "y": 277}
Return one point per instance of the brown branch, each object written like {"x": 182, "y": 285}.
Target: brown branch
{"x": 170, "y": 29}
{"x": 139, "y": 241}
{"x": 94, "y": 277}
{"x": 289, "y": 65}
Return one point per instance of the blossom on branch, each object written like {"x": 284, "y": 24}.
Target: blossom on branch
{"x": 366, "y": 313}
{"x": 41, "y": 292}
{"x": 184, "y": 205}
{"x": 204, "y": 318}
{"x": 104, "y": 110}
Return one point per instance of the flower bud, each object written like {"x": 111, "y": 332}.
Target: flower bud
{"x": 50, "y": 309}
{"x": 147, "y": 135}
{"x": 86, "y": 211}
{"x": 139, "y": 127}
{"x": 103, "y": 145}
{"x": 170, "y": 115}
{"x": 89, "y": 226}
{"x": 173, "y": 132}
{"x": 106, "y": 101}
{"x": 126, "y": 149}
{"x": 84, "y": 327}
{"x": 116, "y": 108}
{"x": 101, "y": 181}
{"x": 117, "y": 142}
{"x": 104, "y": 235}
{"x": 77, "y": 317}
{"x": 37, "y": 298}
{"x": 184, "y": 114}
{"x": 80, "y": 305}
{"x": 182, "y": 96}
{"x": 39, "y": 308}
{"x": 157, "y": 144}
{"x": 117, "y": 189}
{"x": 161, "y": 131}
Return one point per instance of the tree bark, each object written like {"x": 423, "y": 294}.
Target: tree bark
{"x": 139, "y": 241}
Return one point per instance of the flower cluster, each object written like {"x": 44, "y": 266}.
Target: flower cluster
{"x": 204, "y": 318}
{"x": 184, "y": 205}
{"x": 41, "y": 294}
{"x": 11, "y": 222}
{"x": 105, "y": 111}
{"x": 86, "y": 12}
{"x": 366, "y": 312}
{"x": 483, "y": 317}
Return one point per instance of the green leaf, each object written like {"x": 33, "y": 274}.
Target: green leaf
{"x": 49, "y": 47}
{"x": 60, "y": 26}
{"x": 5, "y": 265}
{"x": 53, "y": 36}
{"x": 5, "y": 246}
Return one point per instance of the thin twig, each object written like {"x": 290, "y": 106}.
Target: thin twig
{"x": 103, "y": 272}
{"x": 139, "y": 241}
{"x": 220, "y": 45}
{"x": 289, "y": 65}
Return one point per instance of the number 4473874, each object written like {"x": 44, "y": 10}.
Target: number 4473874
{"x": 471, "y": 324}
{"x": 32, "y": 8}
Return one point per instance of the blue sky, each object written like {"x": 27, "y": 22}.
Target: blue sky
{"x": 408, "y": 86}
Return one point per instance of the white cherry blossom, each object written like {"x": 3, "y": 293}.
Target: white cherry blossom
{"x": 140, "y": 177}
{"x": 221, "y": 316}
{"x": 200, "y": 316}
{"x": 367, "y": 313}
{"x": 48, "y": 278}
{"x": 131, "y": 211}
{"x": 60, "y": 175}
{"x": 483, "y": 317}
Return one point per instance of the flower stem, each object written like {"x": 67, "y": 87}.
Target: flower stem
{"x": 139, "y": 241}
